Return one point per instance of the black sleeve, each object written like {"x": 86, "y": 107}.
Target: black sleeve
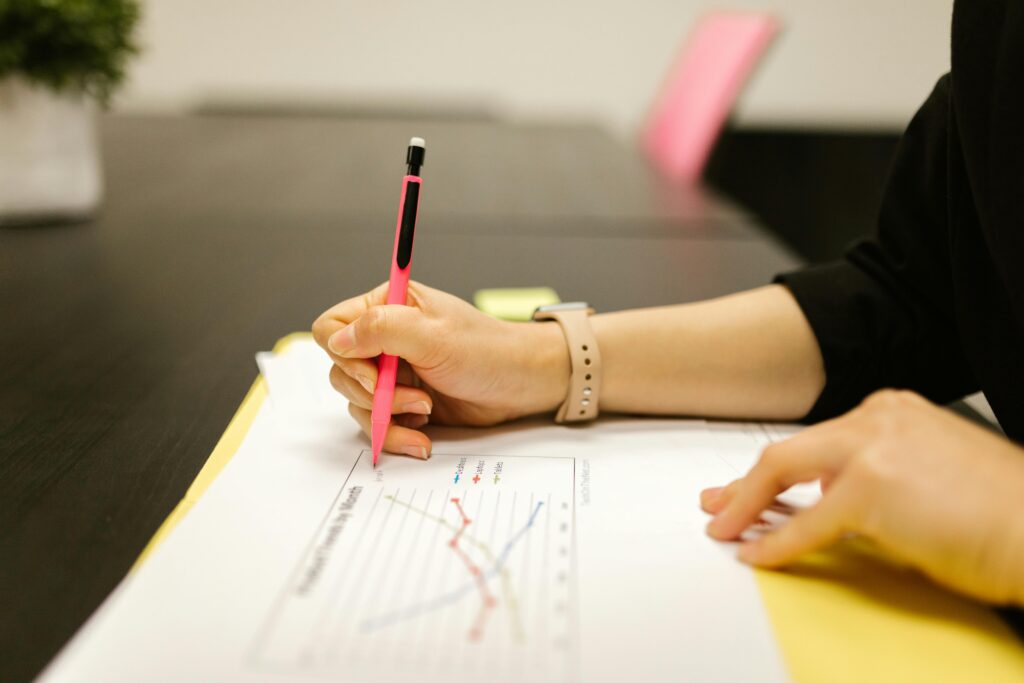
{"x": 883, "y": 315}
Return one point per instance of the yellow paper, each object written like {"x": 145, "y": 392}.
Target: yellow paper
{"x": 514, "y": 303}
{"x": 847, "y": 616}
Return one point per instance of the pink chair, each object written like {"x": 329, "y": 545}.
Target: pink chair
{"x": 719, "y": 56}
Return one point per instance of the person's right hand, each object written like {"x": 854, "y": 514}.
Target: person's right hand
{"x": 459, "y": 366}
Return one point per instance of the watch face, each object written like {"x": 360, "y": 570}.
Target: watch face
{"x": 566, "y": 306}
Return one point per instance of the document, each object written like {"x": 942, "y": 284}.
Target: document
{"x": 529, "y": 552}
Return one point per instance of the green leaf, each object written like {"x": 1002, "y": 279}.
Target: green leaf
{"x": 68, "y": 45}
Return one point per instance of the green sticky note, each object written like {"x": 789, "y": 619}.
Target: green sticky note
{"x": 514, "y": 303}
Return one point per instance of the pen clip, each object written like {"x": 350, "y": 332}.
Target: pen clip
{"x": 403, "y": 254}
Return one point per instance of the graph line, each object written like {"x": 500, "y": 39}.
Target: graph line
{"x": 457, "y": 594}
{"x": 487, "y": 600}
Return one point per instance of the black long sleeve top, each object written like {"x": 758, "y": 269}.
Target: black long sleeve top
{"x": 934, "y": 302}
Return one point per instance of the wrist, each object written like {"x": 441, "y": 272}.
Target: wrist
{"x": 547, "y": 366}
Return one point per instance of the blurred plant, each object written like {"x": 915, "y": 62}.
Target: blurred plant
{"x": 68, "y": 45}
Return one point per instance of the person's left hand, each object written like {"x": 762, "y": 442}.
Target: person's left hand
{"x": 929, "y": 487}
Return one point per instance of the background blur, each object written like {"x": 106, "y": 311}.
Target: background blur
{"x": 822, "y": 113}
{"x": 839, "y": 63}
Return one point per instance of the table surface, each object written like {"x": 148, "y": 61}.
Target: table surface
{"x": 128, "y": 341}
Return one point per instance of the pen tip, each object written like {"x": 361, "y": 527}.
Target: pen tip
{"x": 377, "y": 434}
{"x": 418, "y": 142}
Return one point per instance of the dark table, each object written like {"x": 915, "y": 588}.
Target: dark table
{"x": 127, "y": 343}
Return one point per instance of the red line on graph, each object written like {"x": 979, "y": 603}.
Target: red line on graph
{"x": 487, "y": 599}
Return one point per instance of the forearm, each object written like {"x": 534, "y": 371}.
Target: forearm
{"x": 749, "y": 355}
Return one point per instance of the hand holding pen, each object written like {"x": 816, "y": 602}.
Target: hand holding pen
{"x": 464, "y": 367}
{"x": 398, "y": 286}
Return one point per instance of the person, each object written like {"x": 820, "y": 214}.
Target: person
{"x": 928, "y": 310}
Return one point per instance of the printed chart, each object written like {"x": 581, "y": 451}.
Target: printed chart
{"x": 470, "y": 559}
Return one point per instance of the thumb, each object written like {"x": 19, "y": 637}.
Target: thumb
{"x": 396, "y": 330}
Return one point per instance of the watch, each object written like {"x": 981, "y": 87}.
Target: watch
{"x": 581, "y": 404}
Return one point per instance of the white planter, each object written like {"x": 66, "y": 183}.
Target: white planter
{"x": 49, "y": 155}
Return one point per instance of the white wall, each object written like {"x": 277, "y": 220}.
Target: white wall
{"x": 865, "y": 63}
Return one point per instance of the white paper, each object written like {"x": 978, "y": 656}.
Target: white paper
{"x": 530, "y": 552}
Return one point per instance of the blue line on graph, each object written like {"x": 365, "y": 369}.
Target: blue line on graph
{"x": 453, "y": 596}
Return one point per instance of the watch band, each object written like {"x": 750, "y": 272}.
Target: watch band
{"x": 581, "y": 404}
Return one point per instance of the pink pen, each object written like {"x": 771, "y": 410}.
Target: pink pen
{"x": 398, "y": 286}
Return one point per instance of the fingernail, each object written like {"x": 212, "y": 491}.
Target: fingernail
{"x": 711, "y": 495}
{"x": 365, "y": 381}
{"x": 416, "y": 452}
{"x": 714, "y": 526}
{"x": 418, "y": 407}
{"x": 342, "y": 340}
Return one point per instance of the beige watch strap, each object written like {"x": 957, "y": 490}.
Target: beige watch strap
{"x": 582, "y": 402}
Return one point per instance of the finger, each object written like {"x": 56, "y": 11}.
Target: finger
{"x": 402, "y": 331}
{"x": 340, "y": 315}
{"x": 406, "y": 399}
{"x": 346, "y": 312}
{"x": 709, "y": 495}
{"x": 363, "y": 370}
{"x": 804, "y": 457}
{"x": 714, "y": 499}
{"x": 811, "y": 529}
{"x": 411, "y": 420}
{"x": 350, "y": 388}
{"x": 399, "y": 439}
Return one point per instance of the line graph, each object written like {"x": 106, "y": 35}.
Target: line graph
{"x": 414, "y": 566}
{"x": 480, "y": 579}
